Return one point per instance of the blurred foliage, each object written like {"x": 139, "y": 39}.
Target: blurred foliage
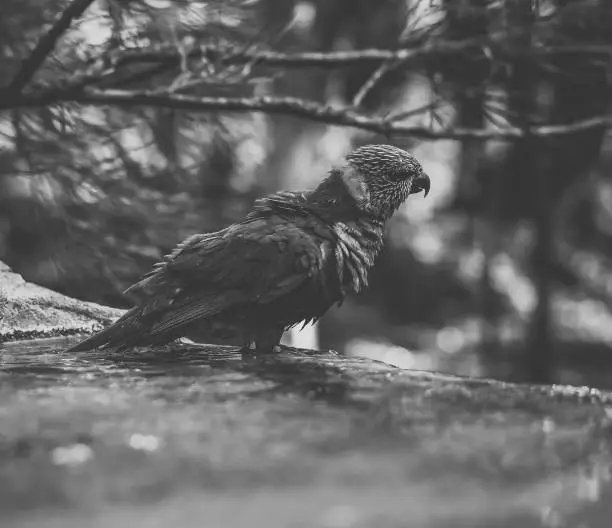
{"x": 506, "y": 271}
{"x": 92, "y": 197}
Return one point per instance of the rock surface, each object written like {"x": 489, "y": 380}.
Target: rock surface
{"x": 31, "y": 311}
{"x": 193, "y": 436}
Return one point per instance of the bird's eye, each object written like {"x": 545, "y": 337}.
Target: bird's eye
{"x": 397, "y": 175}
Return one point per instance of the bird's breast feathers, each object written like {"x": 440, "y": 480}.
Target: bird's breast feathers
{"x": 337, "y": 254}
{"x": 354, "y": 253}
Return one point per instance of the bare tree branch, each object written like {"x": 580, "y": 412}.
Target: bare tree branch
{"x": 331, "y": 59}
{"x": 162, "y": 60}
{"x": 336, "y": 59}
{"x": 291, "y": 106}
{"x": 426, "y": 108}
{"x": 46, "y": 44}
{"x": 372, "y": 81}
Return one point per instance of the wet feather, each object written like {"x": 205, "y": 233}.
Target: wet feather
{"x": 292, "y": 257}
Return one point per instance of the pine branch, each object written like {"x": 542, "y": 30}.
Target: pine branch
{"x": 374, "y": 79}
{"x": 347, "y": 58}
{"x": 291, "y": 106}
{"x": 323, "y": 59}
{"x": 46, "y": 44}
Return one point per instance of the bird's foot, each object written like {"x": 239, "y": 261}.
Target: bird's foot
{"x": 268, "y": 350}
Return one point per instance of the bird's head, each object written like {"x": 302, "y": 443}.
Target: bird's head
{"x": 380, "y": 178}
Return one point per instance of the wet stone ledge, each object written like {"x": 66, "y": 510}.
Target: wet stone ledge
{"x": 190, "y": 435}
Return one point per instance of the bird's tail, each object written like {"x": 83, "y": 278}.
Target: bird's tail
{"x": 122, "y": 333}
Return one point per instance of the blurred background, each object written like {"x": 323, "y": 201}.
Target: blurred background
{"x": 505, "y": 270}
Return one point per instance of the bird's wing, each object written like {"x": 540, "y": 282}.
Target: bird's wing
{"x": 254, "y": 262}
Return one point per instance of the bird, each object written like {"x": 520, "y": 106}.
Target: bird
{"x": 290, "y": 259}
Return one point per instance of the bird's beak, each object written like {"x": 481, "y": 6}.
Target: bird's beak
{"x": 420, "y": 183}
